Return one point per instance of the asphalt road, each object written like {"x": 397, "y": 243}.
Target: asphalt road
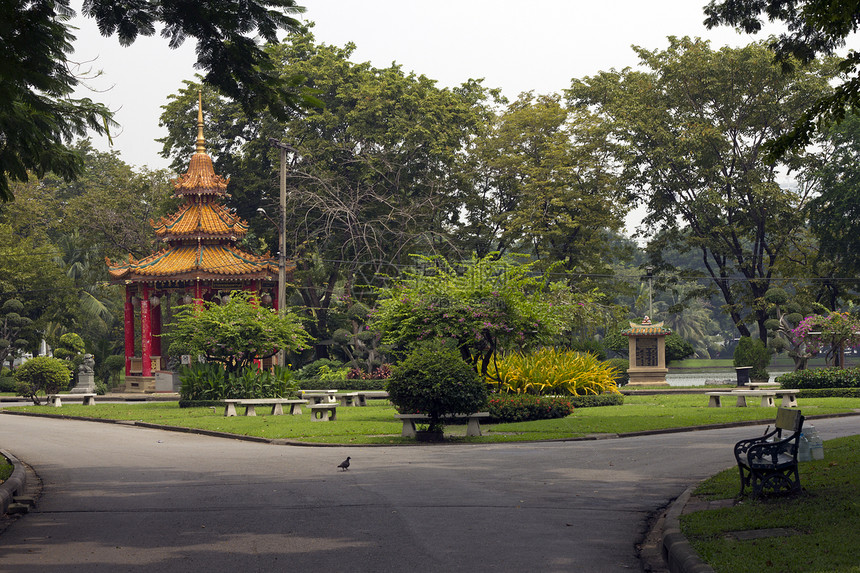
{"x": 120, "y": 498}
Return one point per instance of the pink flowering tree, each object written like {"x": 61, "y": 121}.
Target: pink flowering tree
{"x": 485, "y": 306}
{"x": 833, "y": 332}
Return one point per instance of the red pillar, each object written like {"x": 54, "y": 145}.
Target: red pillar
{"x": 156, "y": 329}
{"x": 146, "y": 332}
{"x": 198, "y": 294}
{"x": 129, "y": 328}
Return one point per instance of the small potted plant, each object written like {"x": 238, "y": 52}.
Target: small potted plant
{"x": 435, "y": 381}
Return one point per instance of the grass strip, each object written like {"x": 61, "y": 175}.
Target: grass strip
{"x": 823, "y": 520}
{"x": 375, "y": 424}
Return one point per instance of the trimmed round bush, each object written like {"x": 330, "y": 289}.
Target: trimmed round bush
{"x": 753, "y": 352}
{"x": 435, "y": 381}
{"x": 42, "y": 374}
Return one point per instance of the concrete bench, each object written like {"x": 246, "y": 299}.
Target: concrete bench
{"x": 360, "y": 397}
{"x": 250, "y": 404}
{"x": 56, "y": 400}
{"x": 761, "y": 385}
{"x": 323, "y": 412}
{"x": 788, "y": 397}
{"x": 473, "y": 427}
{"x": 320, "y": 396}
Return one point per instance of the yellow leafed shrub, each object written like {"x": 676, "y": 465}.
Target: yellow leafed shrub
{"x": 554, "y": 372}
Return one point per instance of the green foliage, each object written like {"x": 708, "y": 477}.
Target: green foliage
{"x": 493, "y": 304}
{"x": 8, "y": 382}
{"x": 687, "y": 126}
{"x": 70, "y": 347}
{"x": 328, "y": 374}
{"x": 434, "y": 380}
{"x": 111, "y": 368}
{"x": 810, "y": 28}
{"x": 214, "y": 382}
{"x": 42, "y": 374}
{"x": 234, "y": 334}
{"x": 348, "y": 385}
{"x": 822, "y": 378}
{"x": 37, "y": 80}
{"x": 677, "y": 348}
{"x": 14, "y": 327}
{"x": 311, "y": 371}
{"x": 753, "y": 352}
{"x": 524, "y": 408}
{"x": 588, "y": 345}
{"x": 620, "y": 366}
{"x": 829, "y": 393}
{"x": 552, "y": 372}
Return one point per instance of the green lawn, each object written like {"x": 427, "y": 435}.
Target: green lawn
{"x": 824, "y": 520}
{"x": 376, "y": 424}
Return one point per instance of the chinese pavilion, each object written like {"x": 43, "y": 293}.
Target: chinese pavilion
{"x": 647, "y": 343}
{"x": 199, "y": 262}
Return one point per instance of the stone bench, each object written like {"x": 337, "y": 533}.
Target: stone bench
{"x": 768, "y": 463}
{"x": 250, "y": 404}
{"x": 360, "y": 397}
{"x": 788, "y": 397}
{"x": 473, "y": 427}
{"x": 323, "y": 412}
{"x": 56, "y": 400}
{"x": 320, "y": 396}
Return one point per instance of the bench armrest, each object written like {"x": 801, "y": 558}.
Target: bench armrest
{"x": 743, "y": 446}
{"x": 771, "y": 450}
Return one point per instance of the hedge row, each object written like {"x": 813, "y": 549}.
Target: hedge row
{"x": 829, "y": 393}
{"x": 350, "y": 384}
{"x": 821, "y": 378}
{"x": 526, "y": 407}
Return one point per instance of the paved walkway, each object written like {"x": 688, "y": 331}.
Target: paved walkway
{"x": 121, "y": 498}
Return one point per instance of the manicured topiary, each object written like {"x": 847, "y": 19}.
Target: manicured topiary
{"x": 44, "y": 374}
{"x": 434, "y": 380}
{"x": 753, "y": 352}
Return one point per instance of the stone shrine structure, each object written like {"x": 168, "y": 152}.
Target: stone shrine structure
{"x": 647, "y": 344}
{"x": 199, "y": 262}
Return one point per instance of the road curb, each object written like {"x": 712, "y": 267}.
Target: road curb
{"x": 15, "y": 485}
{"x": 679, "y": 555}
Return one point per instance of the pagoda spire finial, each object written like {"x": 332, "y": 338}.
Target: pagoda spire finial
{"x": 201, "y": 143}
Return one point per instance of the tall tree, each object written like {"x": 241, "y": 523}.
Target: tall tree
{"x": 541, "y": 183}
{"x": 692, "y": 127}
{"x": 38, "y": 118}
{"x": 814, "y": 27}
{"x": 372, "y": 175}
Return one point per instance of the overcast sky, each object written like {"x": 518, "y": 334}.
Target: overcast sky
{"x": 517, "y": 46}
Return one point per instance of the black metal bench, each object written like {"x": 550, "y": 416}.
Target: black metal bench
{"x": 769, "y": 463}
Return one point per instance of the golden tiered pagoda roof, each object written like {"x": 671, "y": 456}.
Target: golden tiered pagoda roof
{"x": 201, "y": 236}
{"x": 200, "y": 179}
{"x": 201, "y": 219}
{"x": 204, "y": 260}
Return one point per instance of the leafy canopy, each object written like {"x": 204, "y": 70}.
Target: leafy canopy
{"x": 488, "y": 304}
{"x": 38, "y": 116}
{"x": 236, "y": 333}
{"x": 814, "y": 27}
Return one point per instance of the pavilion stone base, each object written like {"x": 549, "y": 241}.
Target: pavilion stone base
{"x": 647, "y": 377}
{"x": 140, "y": 384}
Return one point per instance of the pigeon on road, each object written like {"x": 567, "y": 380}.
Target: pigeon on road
{"x": 344, "y": 465}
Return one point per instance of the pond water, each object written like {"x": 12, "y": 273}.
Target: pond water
{"x": 717, "y": 375}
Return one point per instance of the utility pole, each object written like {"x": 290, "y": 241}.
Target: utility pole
{"x": 650, "y": 276}
{"x": 282, "y": 236}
